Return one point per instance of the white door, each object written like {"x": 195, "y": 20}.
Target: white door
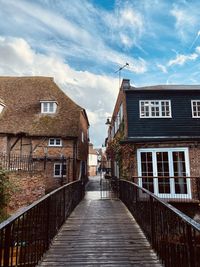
{"x": 164, "y": 171}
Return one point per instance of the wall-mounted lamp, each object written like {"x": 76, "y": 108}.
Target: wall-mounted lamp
{"x": 108, "y": 122}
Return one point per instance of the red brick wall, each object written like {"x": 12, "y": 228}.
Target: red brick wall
{"x": 28, "y": 188}
{"x": 3, "y": 144}
{"x": 42, "y": 149}
{"x": 92, "y": 170}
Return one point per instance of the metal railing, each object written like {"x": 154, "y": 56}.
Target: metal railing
{"x": 173, "y": 235}
{"x": 171, "y": 189}
{"x": 17, "y": 162}
{"x": 26, "y": 236}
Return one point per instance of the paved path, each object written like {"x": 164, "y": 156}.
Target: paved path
{"x": 100, "y": 233}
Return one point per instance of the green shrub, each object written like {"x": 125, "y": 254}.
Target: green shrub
{"x": 6, "y": 189}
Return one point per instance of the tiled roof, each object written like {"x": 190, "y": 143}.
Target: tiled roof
{"x": 166, "y": 87}
{"x": 22, "y": 112}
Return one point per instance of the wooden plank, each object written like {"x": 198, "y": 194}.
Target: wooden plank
{"x": 100, "y": 233}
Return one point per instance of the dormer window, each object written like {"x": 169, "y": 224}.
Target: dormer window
{"x": 195, "y": 108}
{"x": 55, "y": 142}
{"x": 48, "y": 107}
{"x": 155, "y": 109}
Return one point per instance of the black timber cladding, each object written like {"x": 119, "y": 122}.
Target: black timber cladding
{"x": 181, "y": 123}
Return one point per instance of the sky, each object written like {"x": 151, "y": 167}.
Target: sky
{"x": 82, "y": 44}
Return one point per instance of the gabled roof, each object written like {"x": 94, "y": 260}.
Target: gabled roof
{"x": 126, "y": 86}
{"x": 22, "y": 112}
{"x": 162, "y": 87}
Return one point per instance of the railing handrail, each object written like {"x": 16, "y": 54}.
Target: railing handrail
{"x": 183, "y": 216}
{"x": 165, "y": 176}
{"x": 25, "y": 209}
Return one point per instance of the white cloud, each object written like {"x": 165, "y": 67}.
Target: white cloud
{"x": 83, "y": 39}
{"x": 182, "y": 59}
{"x": 186, "y": 19}
{"x": 126, "y": 25}
{"x": 95, "y": 93}
{"x": 197, "y": 49}
{"x": 162, "y": 68}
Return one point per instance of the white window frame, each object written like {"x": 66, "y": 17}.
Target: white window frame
{"x": 196, "y": 102}
{"x": 60, "y": 174}
{"x": 82, "y": 137}
{"x": 54, "y": 142}
{"x": 48, "y": 111}
{"x": 171, "y": 170}
{"x": 2, "y": 106}
{"x": 149, "y": 105}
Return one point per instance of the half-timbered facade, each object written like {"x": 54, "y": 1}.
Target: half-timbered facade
{"x": 39, "y": 121}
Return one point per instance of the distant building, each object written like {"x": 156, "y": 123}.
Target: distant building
{"x": 92, "y": 161}
{"x": 39, "y": 121}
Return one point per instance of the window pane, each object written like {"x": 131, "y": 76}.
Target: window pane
{"x": 163, "y": 172}
{"x": 51, "y": 141}
{"x": 57, "y": 168}
{"x": 179, "y": 163}
{"x": 147, "y": 170}
{"x": 180, "y": 185}
{"x": 180, "y": 172}
{"x": 58, "y": 142}
{"x": 51, "y": 107}
{"x": 45, "y": 107}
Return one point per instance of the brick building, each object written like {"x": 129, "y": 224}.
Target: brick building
{"x": 40, "y": 122}
{"x": 92, "y": 161}
{"x": 154, "y": 139}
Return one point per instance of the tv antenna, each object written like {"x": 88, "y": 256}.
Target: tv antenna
{"x": 119, "y": 71}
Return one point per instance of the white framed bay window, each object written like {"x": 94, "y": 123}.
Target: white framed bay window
{"x": 155, "y": 109}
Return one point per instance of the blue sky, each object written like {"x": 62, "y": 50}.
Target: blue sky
{"x": 81, "y": 43}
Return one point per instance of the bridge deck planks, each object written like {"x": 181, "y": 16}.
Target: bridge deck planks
{"x": 100, "y": 233}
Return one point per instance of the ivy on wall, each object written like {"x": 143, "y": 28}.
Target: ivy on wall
{"x": 122, "y": 154}
{"x": 6, "y": 189}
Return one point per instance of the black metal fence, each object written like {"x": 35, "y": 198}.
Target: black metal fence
{"x": 28, "y": 163}
{"x": 16, "y": 162}
{"x": 25, "y": 237}
{"x": 174, "y": 236}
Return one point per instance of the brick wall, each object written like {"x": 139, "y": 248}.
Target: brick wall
{"x": 92, "y": 170}
{"x": 39, "y": 146}
{"x": 28, "y": 188}
{"x": 3, "y": 144}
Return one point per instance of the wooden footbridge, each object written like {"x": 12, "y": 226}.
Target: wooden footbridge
{"x": 70, "y": 228}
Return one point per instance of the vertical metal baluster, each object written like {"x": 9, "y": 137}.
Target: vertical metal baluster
{"x": 190, "y": 246}
{"x": 7, "y": 245}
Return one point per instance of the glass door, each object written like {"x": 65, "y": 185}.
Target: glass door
{"x": 179, "y": 166}
{"x": 147, "y": 171}
{"x": 164, "y": 171}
